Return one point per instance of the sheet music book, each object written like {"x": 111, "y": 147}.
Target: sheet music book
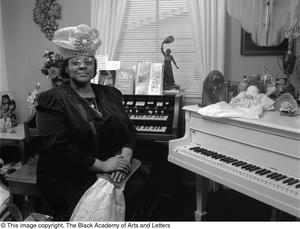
{"x": 125, "y": 80}
{"x": 156, "y": 79}
{"x": 149, "y": 79}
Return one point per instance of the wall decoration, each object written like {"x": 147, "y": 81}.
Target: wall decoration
{"x": 45, "y": 14}
{"x": 248, "y": 47}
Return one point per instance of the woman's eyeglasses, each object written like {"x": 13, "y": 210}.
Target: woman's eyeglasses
{"x": 80, "y": 62}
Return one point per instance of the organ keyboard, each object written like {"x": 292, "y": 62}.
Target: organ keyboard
{"x": 154, "y": 116}
{"x": 260, "y": 158}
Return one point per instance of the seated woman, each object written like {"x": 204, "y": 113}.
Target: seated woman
{"x": 84, "y": 127}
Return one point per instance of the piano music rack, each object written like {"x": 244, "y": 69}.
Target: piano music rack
{"x": 154, "y": 116}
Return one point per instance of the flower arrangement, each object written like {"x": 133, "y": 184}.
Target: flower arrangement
{"x": 51, "y": 67}
{"x": 32, "y": 98}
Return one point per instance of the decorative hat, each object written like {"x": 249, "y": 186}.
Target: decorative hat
{"x": 78, "y": 40}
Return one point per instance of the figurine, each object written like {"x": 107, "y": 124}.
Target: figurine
{"x": 8, "y": 117}
{"x": 212, "y": 88}
{"x": 169, "y": 82}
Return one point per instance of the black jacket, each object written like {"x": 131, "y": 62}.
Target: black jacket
{"x": 73, "y": 135}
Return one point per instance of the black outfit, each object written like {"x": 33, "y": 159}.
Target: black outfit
{"x": 74, "y": 134}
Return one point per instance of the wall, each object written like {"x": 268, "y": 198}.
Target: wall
{"x": 236, "y": 65}
{"x": 25, "y": 45}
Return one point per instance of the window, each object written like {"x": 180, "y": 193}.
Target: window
{"x": 147, "y": 23}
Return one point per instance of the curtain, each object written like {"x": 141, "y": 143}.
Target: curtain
{"x": 146, "y": 24}
{"x": 107, "y": 16}
{"x": 208, "y": 23}
{"x": 3, "y": 74}
{"x": 266, "y": 20}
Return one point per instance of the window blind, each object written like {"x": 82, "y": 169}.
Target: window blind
{"x": 147, "y": 23}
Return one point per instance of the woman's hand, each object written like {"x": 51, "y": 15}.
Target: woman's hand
{"x": 118, "y": 176}
{"x": 117, "y": 162}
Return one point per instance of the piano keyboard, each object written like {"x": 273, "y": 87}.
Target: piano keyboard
{"x": 253, "y": 172}
{"x": 157, "y": 129}
{"x": 149, "y": 117}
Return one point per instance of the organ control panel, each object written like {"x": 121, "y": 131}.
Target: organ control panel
{"x": 154, "y": 116}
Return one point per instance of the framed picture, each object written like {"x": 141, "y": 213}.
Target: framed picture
{"x": 248, "y": 47}
{"x": 107, "y": 77}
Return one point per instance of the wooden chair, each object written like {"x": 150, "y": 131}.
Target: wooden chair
{"x": 23, "y": 181}
{"x": 30, "y": 128}
{"x": 32, "y": 136}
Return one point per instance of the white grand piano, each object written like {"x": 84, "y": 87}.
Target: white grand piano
{"x": 259, "y": 158}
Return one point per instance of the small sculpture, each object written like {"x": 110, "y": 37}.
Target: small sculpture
{"x": 169, "y": 82}
{"x": 286, "y": 104}
{"x": 212, "y": 88}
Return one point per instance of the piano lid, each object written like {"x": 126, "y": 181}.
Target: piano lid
{"x": 270, "y": 121}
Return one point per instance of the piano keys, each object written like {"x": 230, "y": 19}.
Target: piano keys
{"x": 260, "y": 158}
{"x": 155, "y": 117}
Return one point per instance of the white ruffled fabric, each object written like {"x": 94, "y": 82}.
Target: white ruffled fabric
{"x": 101, "y": 202}
{"x": 241, "y": 106}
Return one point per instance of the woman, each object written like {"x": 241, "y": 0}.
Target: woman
{"x": 84, "y": 127}
{"x": 169, "y": 82}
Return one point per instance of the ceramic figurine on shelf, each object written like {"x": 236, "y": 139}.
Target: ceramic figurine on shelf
{"x": 7, "y": 115}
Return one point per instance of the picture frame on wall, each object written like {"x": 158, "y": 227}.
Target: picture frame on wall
{"x": 248, "y": 47}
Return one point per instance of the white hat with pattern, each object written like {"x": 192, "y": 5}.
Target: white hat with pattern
{"x": 78, "y": 40}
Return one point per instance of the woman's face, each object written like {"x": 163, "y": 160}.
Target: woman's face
{"x": 81, "y": 69}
